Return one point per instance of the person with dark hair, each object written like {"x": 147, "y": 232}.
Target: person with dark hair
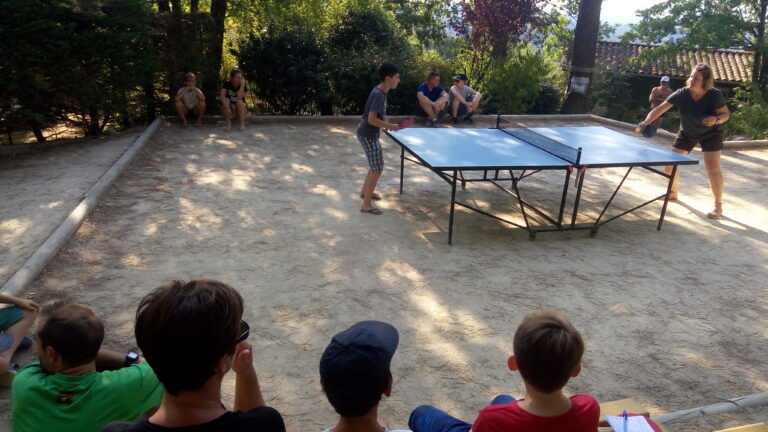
{"x": 64, "y": 390}
{"x": 702, "y": 112}
{"x": 432, "y": 98}
{"x": 375, "y": 118}
{"x": 232, "y": 98}
{"x": 547, "y": 353}
{"x": 15, "y": 322}
{"x": 192, "y": 334}
{"x": 190, "y": 101}
{"x": 355, "y": 373}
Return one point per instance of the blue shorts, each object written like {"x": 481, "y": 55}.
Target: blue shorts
{"x": 373, "y": 153}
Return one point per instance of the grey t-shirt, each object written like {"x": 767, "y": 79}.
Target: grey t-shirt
{"x": 466, "y": 92}
{"x": 693, "y": 112}
{"x": 377, "y": 102}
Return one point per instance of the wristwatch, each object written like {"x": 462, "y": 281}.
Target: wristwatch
{"x": 130, "y": 358}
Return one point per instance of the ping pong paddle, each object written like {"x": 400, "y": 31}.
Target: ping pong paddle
{"x": 406, "y": 123}
{"x": 649, "y": 130}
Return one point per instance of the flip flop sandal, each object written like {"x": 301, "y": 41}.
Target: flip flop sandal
{"x": 373, "y": 211}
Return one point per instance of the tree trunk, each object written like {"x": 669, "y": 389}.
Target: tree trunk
{"x": 194, "y": 6}
{"x": 583, "y": 58}
{"x": 176, "y": 7}
{"x": 211, "y": 79}
{"x": 760, "y": 66}
{"x": 37, "y": 130}
{"x": 163, "y": 6}
{"x": 93, "y": 121}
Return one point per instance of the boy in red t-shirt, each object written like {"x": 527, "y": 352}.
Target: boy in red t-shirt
{"x": 547, "y": 353}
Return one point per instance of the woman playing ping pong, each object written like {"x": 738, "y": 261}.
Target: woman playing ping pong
{"x": 702, "y": 111}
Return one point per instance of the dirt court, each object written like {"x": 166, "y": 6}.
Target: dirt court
{"x": 676, "y": 319}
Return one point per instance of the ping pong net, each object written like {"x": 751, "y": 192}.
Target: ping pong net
{"x": 555, "y": 148}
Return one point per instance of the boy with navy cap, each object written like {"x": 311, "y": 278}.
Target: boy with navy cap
{"x": 355, "y": 373}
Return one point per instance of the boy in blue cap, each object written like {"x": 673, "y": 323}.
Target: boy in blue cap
{"x": 354, "y": 373}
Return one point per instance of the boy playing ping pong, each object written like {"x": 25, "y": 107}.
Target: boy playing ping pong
{"x": 374, "y": 118}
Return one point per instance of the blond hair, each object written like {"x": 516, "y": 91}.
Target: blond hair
{"x": 706, "y": 75}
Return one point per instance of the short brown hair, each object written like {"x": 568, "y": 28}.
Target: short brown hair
{"x": 73, "y": 330}
{"x": 706, "y": 75}
{"x": 548, "y": 349}
{"x": 189, "y": 76}
{"x": 432, "y": 75}
{"x": 185, "y": 328}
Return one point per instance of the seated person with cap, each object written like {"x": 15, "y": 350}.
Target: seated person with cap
{"x": 15, "y": 322}
{"x": 547, "y": 353}
{"x": 355, "y": 373}
{"x": 63, "y": 392}
{"x": 192, "y": 334}
{"x": 659, "y": 95}
{"x": 432, "y": 98}
{"x": 463, "y": 99}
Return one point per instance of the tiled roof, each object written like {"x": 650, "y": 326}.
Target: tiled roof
{"x": 728, "y": 65}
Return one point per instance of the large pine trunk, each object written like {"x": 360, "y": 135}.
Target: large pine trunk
{"x": 211, "y": 82}
{"x": 583, "y": 58}
{"x": 760, "y": 65}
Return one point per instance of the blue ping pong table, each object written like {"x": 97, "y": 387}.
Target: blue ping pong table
{"x": 459, "y": 156}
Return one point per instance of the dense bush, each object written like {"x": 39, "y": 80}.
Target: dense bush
{"x": 84, "y": 63}
{"x": 283, "y": 66}
{"x": 360, "y": 35}
{"x": 514, "y": 84}
{"x": 749, "y": 117}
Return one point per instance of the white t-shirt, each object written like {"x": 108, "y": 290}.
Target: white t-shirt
{"x": 465, "y": 92}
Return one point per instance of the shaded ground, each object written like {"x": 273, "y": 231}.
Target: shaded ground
{"x": 675, "y": 318}
{"x": 38, "y": 190}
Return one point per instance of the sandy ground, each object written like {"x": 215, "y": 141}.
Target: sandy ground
{"x": 38, "y": 190}
{"x": 676, "y": 318}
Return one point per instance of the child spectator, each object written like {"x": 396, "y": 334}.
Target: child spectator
{"x": 192, "y": 334}
{"x": 355, "y": 373}
{"x": 463, "y": 100}
{"x": 64, "y": 391}
{"x": 190, "y": 101}
{"x": 547, "y": 353}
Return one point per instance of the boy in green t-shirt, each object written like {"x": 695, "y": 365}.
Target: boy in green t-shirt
{"x": 64, "y": 392}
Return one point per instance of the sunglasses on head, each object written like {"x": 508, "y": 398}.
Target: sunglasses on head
{"x": 243, "y": 331}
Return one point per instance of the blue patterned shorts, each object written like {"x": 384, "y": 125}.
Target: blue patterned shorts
{"x": 372, "y": 149}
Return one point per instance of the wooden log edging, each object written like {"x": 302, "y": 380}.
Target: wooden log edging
{"x": 725, "y": 407}
{"x": 61, "y": 235}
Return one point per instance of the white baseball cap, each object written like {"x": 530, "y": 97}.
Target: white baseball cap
{"x": 665, "y": 79}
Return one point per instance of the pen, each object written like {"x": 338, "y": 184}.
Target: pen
{"x": 624, "y": 414}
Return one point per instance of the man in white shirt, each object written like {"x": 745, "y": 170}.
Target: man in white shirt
{"x": 463, "y": 99}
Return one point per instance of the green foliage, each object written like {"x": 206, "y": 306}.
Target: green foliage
{"x": 284, "y": 68}
{"x": 64, "y": 58}
{"x": 749, "y": 116}
{"x": 611, "y": 94}
{"x": 360, "y": 35}
{"x": 515, "y": 83}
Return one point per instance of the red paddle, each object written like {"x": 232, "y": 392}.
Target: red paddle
{"x": 406, "y": 123}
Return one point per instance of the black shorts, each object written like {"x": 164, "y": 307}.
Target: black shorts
{"x": 712, "y": 141}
